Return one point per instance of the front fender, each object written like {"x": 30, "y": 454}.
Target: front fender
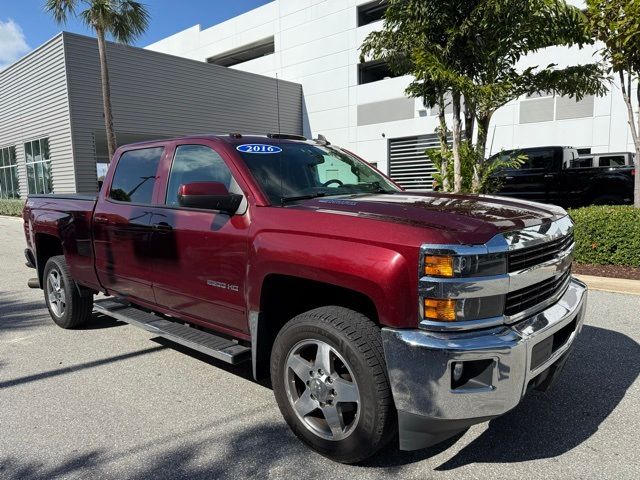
{"x": 386, "y": 276}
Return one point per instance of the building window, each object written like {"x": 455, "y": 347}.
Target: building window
{"x": 38, "y": 162}
{"x": 373, "y": 71}
{"x": 254, "y": 50}
{"x": 371, "y": 12}
{"x": 9, "y": 186}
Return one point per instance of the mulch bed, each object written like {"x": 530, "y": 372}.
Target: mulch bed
{"x": 614, "y": 271}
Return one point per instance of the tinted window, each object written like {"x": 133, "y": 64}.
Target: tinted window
{"x": 538, "y": 159}
{"x": 612, "y": 161}
{"x": 135, "y": 175}
{"x": 582, "y": 162}
{"x": 195, "y": 163}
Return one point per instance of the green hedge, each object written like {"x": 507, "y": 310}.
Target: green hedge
{"x": 607, "y": 235}
{"x": 11, "y": 207}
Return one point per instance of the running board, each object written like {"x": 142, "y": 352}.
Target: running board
{"x": 217, "y": 347}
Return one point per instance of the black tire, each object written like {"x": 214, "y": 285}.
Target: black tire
{"x": 608, "y": 200}
{"x": 76, "y": 309}
{"x": 357, "y": 340}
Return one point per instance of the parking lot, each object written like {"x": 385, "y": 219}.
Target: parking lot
{"x": 110, "y": 401}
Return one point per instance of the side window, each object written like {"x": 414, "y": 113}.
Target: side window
{"x": 582, "y": 162}
{"x": 612, "y": 161}
{"x": 335, "y": 169}
{"x": 538, "y": 159}
{"x": 195, "y": 163}
{"x": 136, "y": 175}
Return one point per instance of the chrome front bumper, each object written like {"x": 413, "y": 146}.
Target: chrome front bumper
{"x": 420, "y": 363}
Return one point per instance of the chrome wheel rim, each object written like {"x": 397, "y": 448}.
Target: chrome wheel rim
{"x": 56, "y": 293}
{"x": 322, "y": 389}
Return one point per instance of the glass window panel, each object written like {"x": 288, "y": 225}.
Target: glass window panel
{"x": 15, "y": 182}
{"x": 195, "y": 163}
{"x": 35, "y": 148}
{"x": 44, "y": 148}
{"x": 27, "y": 152}
{"x": 12, "y": 156}
{"x": 48, "y": 183}
{"x": 4, "y": 187}
{"x": 39, "y": 182}
{"x": 31, "y": 179}
{"x": 3, "y": 156}
{"x": 135, "y": 175}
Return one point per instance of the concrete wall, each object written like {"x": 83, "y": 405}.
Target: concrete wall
{"x": 159, "y": 95}
{"x": 33, "y": 105}
{"x": 317, "y": 45}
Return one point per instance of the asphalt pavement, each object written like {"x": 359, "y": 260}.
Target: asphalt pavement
{"x": 111, "y": 401}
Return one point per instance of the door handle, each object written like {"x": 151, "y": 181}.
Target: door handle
{"x": 162, "y": 227}
{"x": 101, "y": 219}
{"x": 549, "y": 175}
{"x": 508, "y": 178}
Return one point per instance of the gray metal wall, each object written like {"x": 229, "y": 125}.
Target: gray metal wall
{"x": 34, "y": 104}
{"x": 162, "y": 95}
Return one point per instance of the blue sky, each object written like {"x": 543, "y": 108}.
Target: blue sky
{"x": 24, "y": 24}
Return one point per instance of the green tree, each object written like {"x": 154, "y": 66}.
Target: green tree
{"x": 616, "y": 23}
{"x": 124, "y": 20}
{"x": 468, "y": 50}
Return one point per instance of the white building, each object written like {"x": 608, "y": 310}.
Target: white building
{"x": 358, "y": 106}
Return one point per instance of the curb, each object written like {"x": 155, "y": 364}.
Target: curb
{"x": 607, "y": 284}
{"x": 10, "y": 217}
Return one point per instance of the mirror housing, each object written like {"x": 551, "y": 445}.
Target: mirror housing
{"x": 208, "y": 196}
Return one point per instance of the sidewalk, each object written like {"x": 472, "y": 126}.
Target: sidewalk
{"x": 617, "y": 285}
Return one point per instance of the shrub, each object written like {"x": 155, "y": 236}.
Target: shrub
{"x": 11, "y": 207}
{"x": 607, "y": 235}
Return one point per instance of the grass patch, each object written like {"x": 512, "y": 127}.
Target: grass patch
{"x": 12, "y": 208}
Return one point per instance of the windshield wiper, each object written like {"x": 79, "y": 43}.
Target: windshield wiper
{"x": 301, "y": 197}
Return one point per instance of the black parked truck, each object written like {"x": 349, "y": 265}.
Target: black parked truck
{"x": 556, "y": 175}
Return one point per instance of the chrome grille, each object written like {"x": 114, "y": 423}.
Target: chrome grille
{"x": 525, "y": 298}
{"x": 530, "y": 256}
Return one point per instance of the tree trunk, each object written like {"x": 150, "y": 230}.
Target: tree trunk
{"x": 626, "y": 94}
{"x": 457, "y": 136}
{"x": 444, "y": 145}
{"x": 481, "y": 148}
{"x": 469, "y": 122}
{"x": 106, "y": 93}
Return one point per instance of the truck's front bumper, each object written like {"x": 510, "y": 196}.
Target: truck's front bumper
{"x": 498, "y": 365}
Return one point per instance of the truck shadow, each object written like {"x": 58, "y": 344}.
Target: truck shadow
{"x": 602, "y": 367}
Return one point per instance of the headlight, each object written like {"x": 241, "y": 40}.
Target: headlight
{"x": 465, "y": 265}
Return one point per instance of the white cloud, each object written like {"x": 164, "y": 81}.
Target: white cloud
{"x": 12, "y": 43}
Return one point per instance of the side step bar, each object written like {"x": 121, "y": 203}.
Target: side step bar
{"x": 221, "y": 348}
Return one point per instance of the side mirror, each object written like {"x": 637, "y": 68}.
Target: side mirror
{"x": 209, "y": 196}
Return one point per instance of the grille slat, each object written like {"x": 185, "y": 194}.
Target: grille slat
{"x": 535, "y": 294}
{"x": 528, "y": 257}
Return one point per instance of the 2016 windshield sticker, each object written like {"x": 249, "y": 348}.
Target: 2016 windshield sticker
{"x": 258, "y": 148}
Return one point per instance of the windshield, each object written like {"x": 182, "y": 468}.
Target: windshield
{"x": 305, "y": 171}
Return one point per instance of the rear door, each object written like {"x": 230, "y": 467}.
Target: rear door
{"x": 200, "y": 256}
{"x": 122, "y": 225}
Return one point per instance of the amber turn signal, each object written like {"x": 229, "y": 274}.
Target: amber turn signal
{"x": 440, "y": 310}
{"x": 438, "y": 266}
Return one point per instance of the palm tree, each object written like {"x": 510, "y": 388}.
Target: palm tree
{"x": 124, "y": 20}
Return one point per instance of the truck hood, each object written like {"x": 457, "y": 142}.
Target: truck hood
{"x": 470, "y": 218}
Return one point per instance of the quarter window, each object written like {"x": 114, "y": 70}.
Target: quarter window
{"x": 9, "y": 187}
{"x": 136, "y": 175}
{"x": 195, "y": 163}
{"x": 38, "y": 160}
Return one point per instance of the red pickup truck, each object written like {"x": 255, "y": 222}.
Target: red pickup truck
{"x": 378, "y": 313}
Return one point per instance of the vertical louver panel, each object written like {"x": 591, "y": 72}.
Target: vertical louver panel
{"x": 409, "y": 167}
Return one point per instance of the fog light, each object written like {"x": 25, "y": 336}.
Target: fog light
{"x": 457, "y": 371}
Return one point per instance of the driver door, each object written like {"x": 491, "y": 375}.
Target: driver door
{"x": 201, "y": 255}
